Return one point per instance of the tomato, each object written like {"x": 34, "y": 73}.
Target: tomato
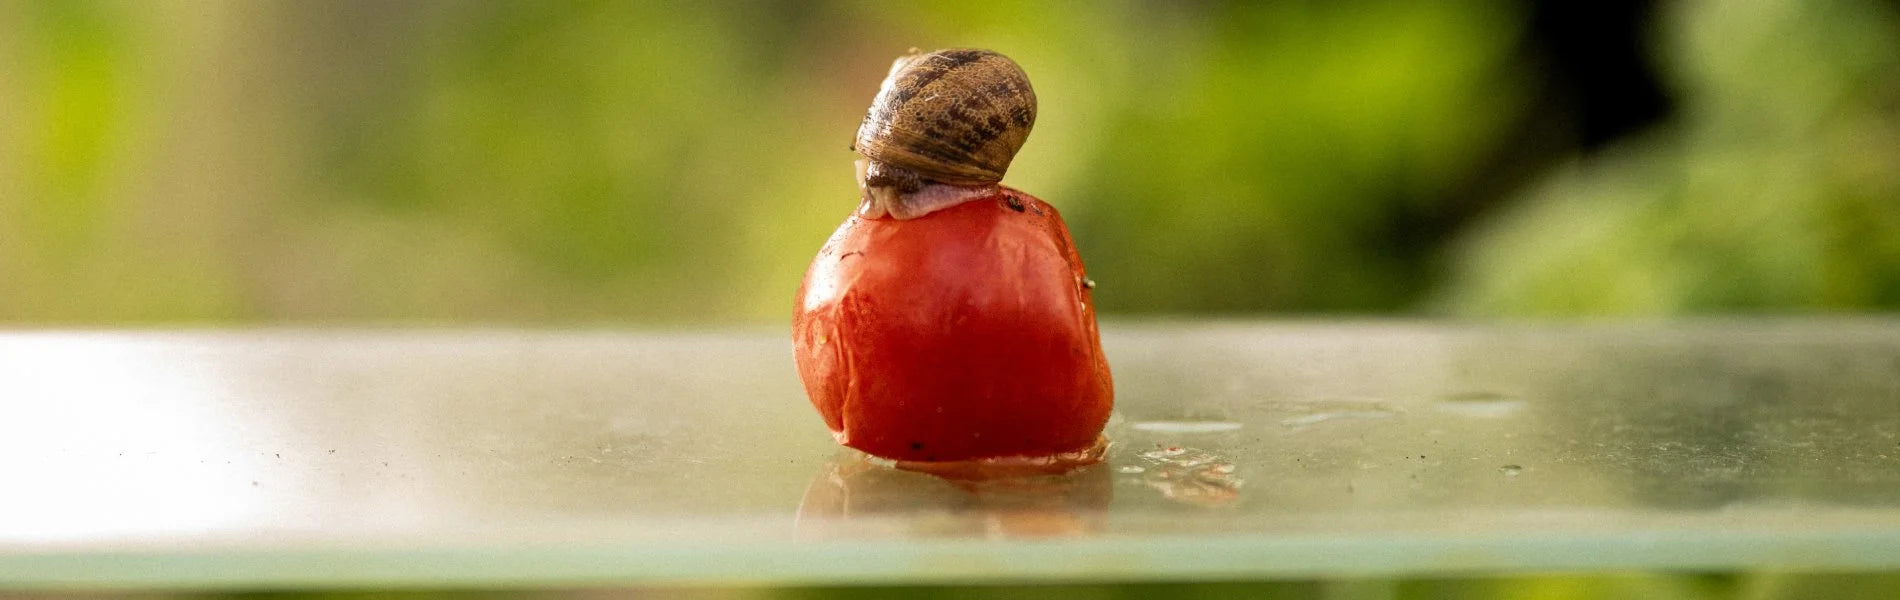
{"x": 967, "y": 333}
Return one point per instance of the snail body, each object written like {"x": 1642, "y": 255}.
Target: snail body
{"x": 942, "y": 130}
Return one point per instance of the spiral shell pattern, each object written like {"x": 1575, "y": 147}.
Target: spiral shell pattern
{"x": 953, "y": 116}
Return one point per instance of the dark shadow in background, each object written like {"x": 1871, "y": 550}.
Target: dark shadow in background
{"x": 1596, "y": 84}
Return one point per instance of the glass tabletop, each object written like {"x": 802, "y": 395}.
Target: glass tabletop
{"x": 344, "y": 458}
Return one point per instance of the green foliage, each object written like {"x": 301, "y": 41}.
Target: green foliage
{"x": 1777, "y": 189}
{"x": 1261, "y": 166}
{"x": 648, "y": 162}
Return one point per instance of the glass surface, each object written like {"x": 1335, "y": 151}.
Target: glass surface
{"x": 1241, "y": 449}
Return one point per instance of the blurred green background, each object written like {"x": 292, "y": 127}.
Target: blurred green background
{"x": 231, "y": 161}
{"x": 578, "y": 162}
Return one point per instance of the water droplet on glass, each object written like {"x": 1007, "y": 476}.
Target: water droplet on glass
{"x": 1186, "y": 426}
{"x": 1165, "y": 452}
{"x": 1488, "y": 405}
{"x": 1314, "y": 413}
{"x": 1510, "y": 470}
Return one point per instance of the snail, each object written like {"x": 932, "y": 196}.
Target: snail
{"x": 942, "y": 130}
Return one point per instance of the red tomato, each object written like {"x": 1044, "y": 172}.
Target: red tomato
{"x": 967, "y": 333}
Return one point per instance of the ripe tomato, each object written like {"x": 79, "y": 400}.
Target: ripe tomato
{"x": 964, "y": 334}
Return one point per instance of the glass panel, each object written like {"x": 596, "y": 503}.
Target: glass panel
{"x": 1241, "y": 449}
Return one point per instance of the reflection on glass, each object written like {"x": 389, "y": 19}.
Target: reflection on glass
{"x": 116, "y": 439}
{"x": 851, "y": 487}
{"x": 1188, "y": 475}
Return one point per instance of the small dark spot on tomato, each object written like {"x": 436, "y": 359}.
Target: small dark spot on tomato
{"x": 930, "y": 457}
{"x": 916, "y": 445}
{"x": 1015, "y": 204}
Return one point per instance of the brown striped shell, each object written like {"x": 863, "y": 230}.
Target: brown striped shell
{"x": 952, "y": 116}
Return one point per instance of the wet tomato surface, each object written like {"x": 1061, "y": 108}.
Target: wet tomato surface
{"x": 965, "y": 334}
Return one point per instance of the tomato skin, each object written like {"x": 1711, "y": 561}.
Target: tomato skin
{"x": 967, "y": 333}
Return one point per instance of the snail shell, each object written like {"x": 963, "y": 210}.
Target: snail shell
{"x": 950, "y": 116}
